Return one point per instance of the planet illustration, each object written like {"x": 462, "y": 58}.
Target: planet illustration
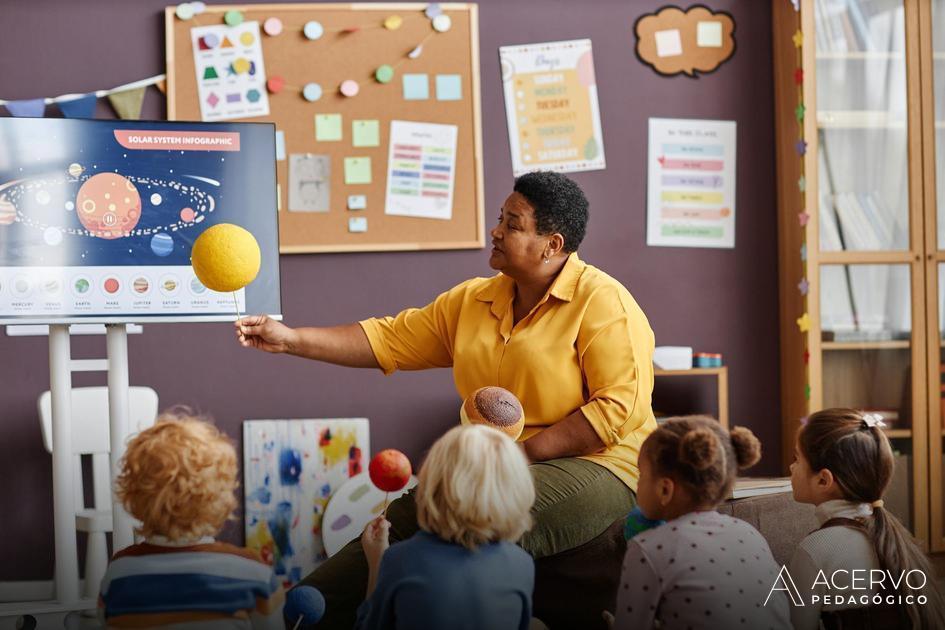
{"x": 169, "y": 285}
{"x": 187, "y": 215}
{"x": 109, "y": 205}
{"x": 141, "y": 285}
{"x": 52, "y": 287}
{"x": 7, "y": 211}
{"x": 162, "y": 244}
{"x": 197, "y": 287}
{"x": 111, "y": 285}
{"x": 81, "y": 286}
{"x": 75, "y": 169}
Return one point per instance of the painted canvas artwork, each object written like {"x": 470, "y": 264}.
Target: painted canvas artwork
{"x": 291, "y": 469}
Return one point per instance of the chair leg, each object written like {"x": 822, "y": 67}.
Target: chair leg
{"x": 96, "y": 561}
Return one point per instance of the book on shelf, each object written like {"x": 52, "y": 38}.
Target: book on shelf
{"x": 758, "y": 486}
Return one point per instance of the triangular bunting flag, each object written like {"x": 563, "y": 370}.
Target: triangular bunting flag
{"x": 82, "y": 107}
{"x": 210, "y": 73}
{"x": 226, "y": 43}
{"x": 162, "y": 86}
{"x": 32, "y": 108}
{"x": 127, "y": 104}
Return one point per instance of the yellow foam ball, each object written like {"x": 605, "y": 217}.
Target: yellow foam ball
{"x": 226, "y": 258}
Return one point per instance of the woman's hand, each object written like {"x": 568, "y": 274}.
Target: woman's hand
{"x": 375, "y": 540}
{"x": 263, "y": 333}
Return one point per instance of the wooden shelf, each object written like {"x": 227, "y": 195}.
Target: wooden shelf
{"x": 691, "y": 372}
{"x": 898, "y": 433}
{"x": 862, "y": 119}
{"x": 867, "y": 54}
{"x": 893, "y": 344}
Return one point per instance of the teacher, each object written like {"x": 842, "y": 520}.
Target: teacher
{"x": 567, "y": 339}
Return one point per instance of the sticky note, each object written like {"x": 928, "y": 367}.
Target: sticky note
{"x": 357, "y": 202}
{"x": 449, "y": 87}
{"x": 416, "y": 87}
{"x": 366, "y": 133}
{"x": 668, "y": 43}
{"x": 358, "y": 170}
{"x": 357, "y": 224}
{"x": 328, "y": 127}
{"x": 709, "y": 34}
{"x": 280, "y": 145}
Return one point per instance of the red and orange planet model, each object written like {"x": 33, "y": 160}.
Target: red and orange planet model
{"x": 495, "y": 407}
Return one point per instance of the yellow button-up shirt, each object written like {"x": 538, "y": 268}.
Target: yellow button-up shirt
{"x": 586, "y": 345}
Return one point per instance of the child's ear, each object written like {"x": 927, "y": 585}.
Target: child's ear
{"x": 666, "y": 488}
{"x": 825, "y": 479}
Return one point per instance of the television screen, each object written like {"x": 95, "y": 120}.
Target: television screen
{"x": 98, "y": 217}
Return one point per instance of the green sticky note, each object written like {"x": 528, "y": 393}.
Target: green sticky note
{"x": 328, "y": 127}
{"x": 358, "y": 170}
{"x": 366, "y": 133}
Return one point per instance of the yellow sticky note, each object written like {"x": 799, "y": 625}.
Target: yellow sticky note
{"x": 358, "y": 170}
{"x": 328, "y": 127}
{"x": 366, "y": 133}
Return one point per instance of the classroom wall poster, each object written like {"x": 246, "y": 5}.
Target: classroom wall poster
{"x": 691, "y": 183}
{"x": 551, "y": 105}
{"x": 421, "y": 169}
{"x": 291, "y": 469}
{"x": 231, "y": 77}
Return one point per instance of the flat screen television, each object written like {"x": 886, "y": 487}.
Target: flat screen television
{"x": 98, "y": 217}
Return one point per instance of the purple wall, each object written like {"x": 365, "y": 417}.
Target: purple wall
{"x": 714, "y": 300}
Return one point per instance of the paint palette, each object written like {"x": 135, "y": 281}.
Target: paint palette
{"x": 351, "y": 507}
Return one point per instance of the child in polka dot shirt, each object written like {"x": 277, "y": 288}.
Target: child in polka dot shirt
{"x": 700, "y": 569}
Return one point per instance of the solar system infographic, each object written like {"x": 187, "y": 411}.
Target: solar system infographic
{"x": 98, "y": 217}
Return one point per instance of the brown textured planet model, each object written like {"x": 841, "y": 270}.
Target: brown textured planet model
{"x": 495, "y": 407}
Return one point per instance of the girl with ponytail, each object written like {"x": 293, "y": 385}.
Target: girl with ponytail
{"x": 699, "y": 569}
{"x": 842, "y": 464}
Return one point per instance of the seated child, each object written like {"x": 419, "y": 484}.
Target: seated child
{"x": 842, "y": 464}
{"x": 462, "y": 570}
{"x": 178, "y": 479}
{"x": 699, "y": 569}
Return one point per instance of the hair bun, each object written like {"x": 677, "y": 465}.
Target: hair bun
{"x": 747, "y": 447}
{"x": 699, "y": 448}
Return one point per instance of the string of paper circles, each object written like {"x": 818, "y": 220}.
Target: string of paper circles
{"x": 313, "y": 30}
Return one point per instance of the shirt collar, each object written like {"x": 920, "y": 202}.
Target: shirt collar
{"x": 840, "y": 508}
{"x": 500, "y": 290}
{"x": 163, "y": 541}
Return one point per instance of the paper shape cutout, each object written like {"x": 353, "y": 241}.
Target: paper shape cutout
{"x": 358, "y": 170}
{"x": 702, "y": 41}
{"x": 803, "y": 286}
{"x": 449, "y": 87}
{"x": 127, "y": 104}
{"x": 280, "y": 145}
{"x": 82, "y": 107}
{"x": 668, "y": 43}
{"x": 234, "y": 98}
{"x": 803, "y": 218}
{"x": 709, "y": 34}
{"x": 357, "y": 202}
{"x": 213, "y": 99}
{"x": 312, "y": 92}
{"x": 247, "y": 38}
{"x": 803, "y": 323}
{"x": 366, "y": 133}
{"x": 798, "y": 38}
{"x": 210, "y": 73}
{"x": 226, "y": 43}
{"x": 28, "y": 108}
{"x": 357, "y": 224}
{"x": 309, "y": 183}
{"x": 328, "y": 127}
{"x": 416, "y": 52}
{"x": 416, "y": 87}
{"x": 253, "y": 95}
{"x": 202, "y": 44}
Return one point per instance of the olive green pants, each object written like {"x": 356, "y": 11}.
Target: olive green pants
{"x": 576, "y": 500}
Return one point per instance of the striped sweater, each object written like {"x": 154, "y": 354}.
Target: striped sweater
{"x": 204, "y": 585}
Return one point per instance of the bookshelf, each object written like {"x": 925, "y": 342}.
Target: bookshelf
{"x": 874, "y": 168}
{"x": 720, "y": 374}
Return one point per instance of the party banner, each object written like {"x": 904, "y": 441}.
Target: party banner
{"x": 691, "y": 183}
{"x": 551, "y": 104}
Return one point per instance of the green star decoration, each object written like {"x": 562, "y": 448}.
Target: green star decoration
{"x": 799, "y": 112}
{"x": 802, "y": 184}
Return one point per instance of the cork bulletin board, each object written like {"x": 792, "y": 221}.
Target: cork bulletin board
{"x": 354, "y": 41}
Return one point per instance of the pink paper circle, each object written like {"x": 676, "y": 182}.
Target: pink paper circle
{"x": 187, "y": 215}
{"x": 272, "y": 26}
{"x": 350, "y": 88}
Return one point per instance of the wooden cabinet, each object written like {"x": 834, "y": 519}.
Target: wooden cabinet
{"x": 860, "y": 131}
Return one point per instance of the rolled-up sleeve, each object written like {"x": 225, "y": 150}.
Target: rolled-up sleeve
{"x": 616, "y": 360}
{"x": 416, "y": 338}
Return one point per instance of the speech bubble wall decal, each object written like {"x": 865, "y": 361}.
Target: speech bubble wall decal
{"x": 691, "y": 41}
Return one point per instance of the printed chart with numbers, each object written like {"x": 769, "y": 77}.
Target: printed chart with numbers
{"x": 691, "y": 183}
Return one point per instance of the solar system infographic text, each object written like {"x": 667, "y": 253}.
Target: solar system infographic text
{"x": 97, "y": 218}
